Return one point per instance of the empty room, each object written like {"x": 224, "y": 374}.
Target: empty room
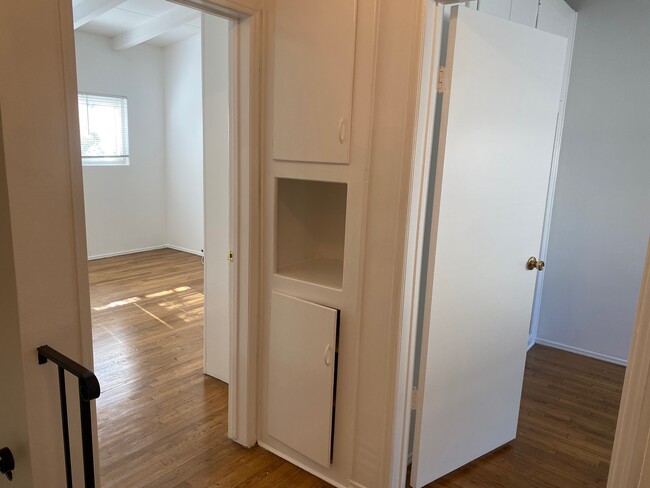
{"x": 155, "y": 156}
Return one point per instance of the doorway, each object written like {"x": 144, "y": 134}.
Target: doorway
{"x": 549, "y": 404}
{"x": 153, "y": 82}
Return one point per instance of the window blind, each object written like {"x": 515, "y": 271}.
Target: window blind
{"x": 104, "y": 128}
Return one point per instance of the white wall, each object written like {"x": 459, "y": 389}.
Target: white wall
{"x": 125, "y": 205}
{"x": 158, "y": 199}
{"x": 184, "y": 131}
{"x": 601, "y": 216}
{"x": 14, "y": 433}
{"x": 46, "y": 300}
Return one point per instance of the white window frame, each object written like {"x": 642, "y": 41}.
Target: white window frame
{"x": 116, "y": 159}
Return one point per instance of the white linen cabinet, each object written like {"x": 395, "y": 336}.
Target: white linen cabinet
{"x": 317, "y": 119}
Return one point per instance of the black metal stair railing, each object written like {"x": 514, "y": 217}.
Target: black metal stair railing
{"x": 7, "y": 463}
{"x": 88, "y": 390}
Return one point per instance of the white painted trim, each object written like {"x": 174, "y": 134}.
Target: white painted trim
{"x": 354, "y": 484}
{"x": 303, "y": 466}
{"x": 418, "y": 194}
{"x": 124, "y": 253}
{"x": 184, "y": 249}
{"x": 234, "y": 414}
{"x": 531, "y": 341}
{"x": 69, "y": 69}
{"x": 144, "y": 249}
{"x": 550, "y": 198}
{"x": 245, "y": 96}
{"x": 630, "y": 461}
{"x": 582, "y": 352}
{"x": 229, "y": 9}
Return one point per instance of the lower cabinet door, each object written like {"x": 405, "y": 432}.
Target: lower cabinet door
{"x": 301, "y": 375}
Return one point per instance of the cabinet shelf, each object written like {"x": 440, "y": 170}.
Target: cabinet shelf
{"x": 318, "y": 270}
{"x": 310, "y": 230}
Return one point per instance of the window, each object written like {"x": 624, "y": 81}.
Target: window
{"x": 103, "y": 122}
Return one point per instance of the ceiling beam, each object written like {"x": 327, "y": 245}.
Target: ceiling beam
{"x": 89, "y": 10}
{"x": 154, "y": 27}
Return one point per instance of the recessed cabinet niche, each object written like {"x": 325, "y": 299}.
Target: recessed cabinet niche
{"x": 310, "y": 230}
{"x": 312, "y": 94}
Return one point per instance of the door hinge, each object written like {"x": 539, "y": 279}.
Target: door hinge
{"x": 415, "y": 399}
{"x": 442, "y": 79}
{"x": 231, "y": 258}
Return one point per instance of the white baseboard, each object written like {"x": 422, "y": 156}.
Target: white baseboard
{"x": 184, "y": 249}
{"x": 302, "y": 466}
{"x": 531, "y": 341}
{"x": 354, "y": 484}
{"x": 124, "y": 253}
{"x": 144, "y": 249}
{"x": 582, "y": 352}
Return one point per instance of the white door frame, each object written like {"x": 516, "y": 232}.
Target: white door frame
{"x": 630, "y": 465}
{"x": 546, "y": 229}
{"x": 245, "y": 103}
{"x": 418, "y": 194}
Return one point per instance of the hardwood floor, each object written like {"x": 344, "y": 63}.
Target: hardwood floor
{"x": 566, "y": 429}
{"x": 162, "y": 423}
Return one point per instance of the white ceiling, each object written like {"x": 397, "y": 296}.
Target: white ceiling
{"x": 132, "y": 14}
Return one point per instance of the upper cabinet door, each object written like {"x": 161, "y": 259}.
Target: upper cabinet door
{"x": 313, "y": 70}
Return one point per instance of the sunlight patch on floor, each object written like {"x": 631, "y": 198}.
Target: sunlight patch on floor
{"x": 117, "y": 303}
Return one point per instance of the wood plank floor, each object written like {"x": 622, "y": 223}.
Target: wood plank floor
{"x": 566, "y": 430}
{"x": 162, "y": 423}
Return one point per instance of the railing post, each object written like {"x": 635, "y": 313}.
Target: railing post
{"x": 88, "y": 390}
{"x": 87, "y": 440}
{"x": 64, "y": 425}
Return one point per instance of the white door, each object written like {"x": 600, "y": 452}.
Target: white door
{"x": 497, "y": 130}
{"x": 13, "y": 426}
{"x": 302, "y": 368}
{"x": 216, "y": 160}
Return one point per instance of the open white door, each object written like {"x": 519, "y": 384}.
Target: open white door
{"x": 497, "y": 130}
{"x": 216, "y": 174}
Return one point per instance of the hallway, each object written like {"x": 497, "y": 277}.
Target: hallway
{"x": 162, "y": 422}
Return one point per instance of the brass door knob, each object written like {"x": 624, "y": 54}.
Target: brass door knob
{"x": 533, "y": 263}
